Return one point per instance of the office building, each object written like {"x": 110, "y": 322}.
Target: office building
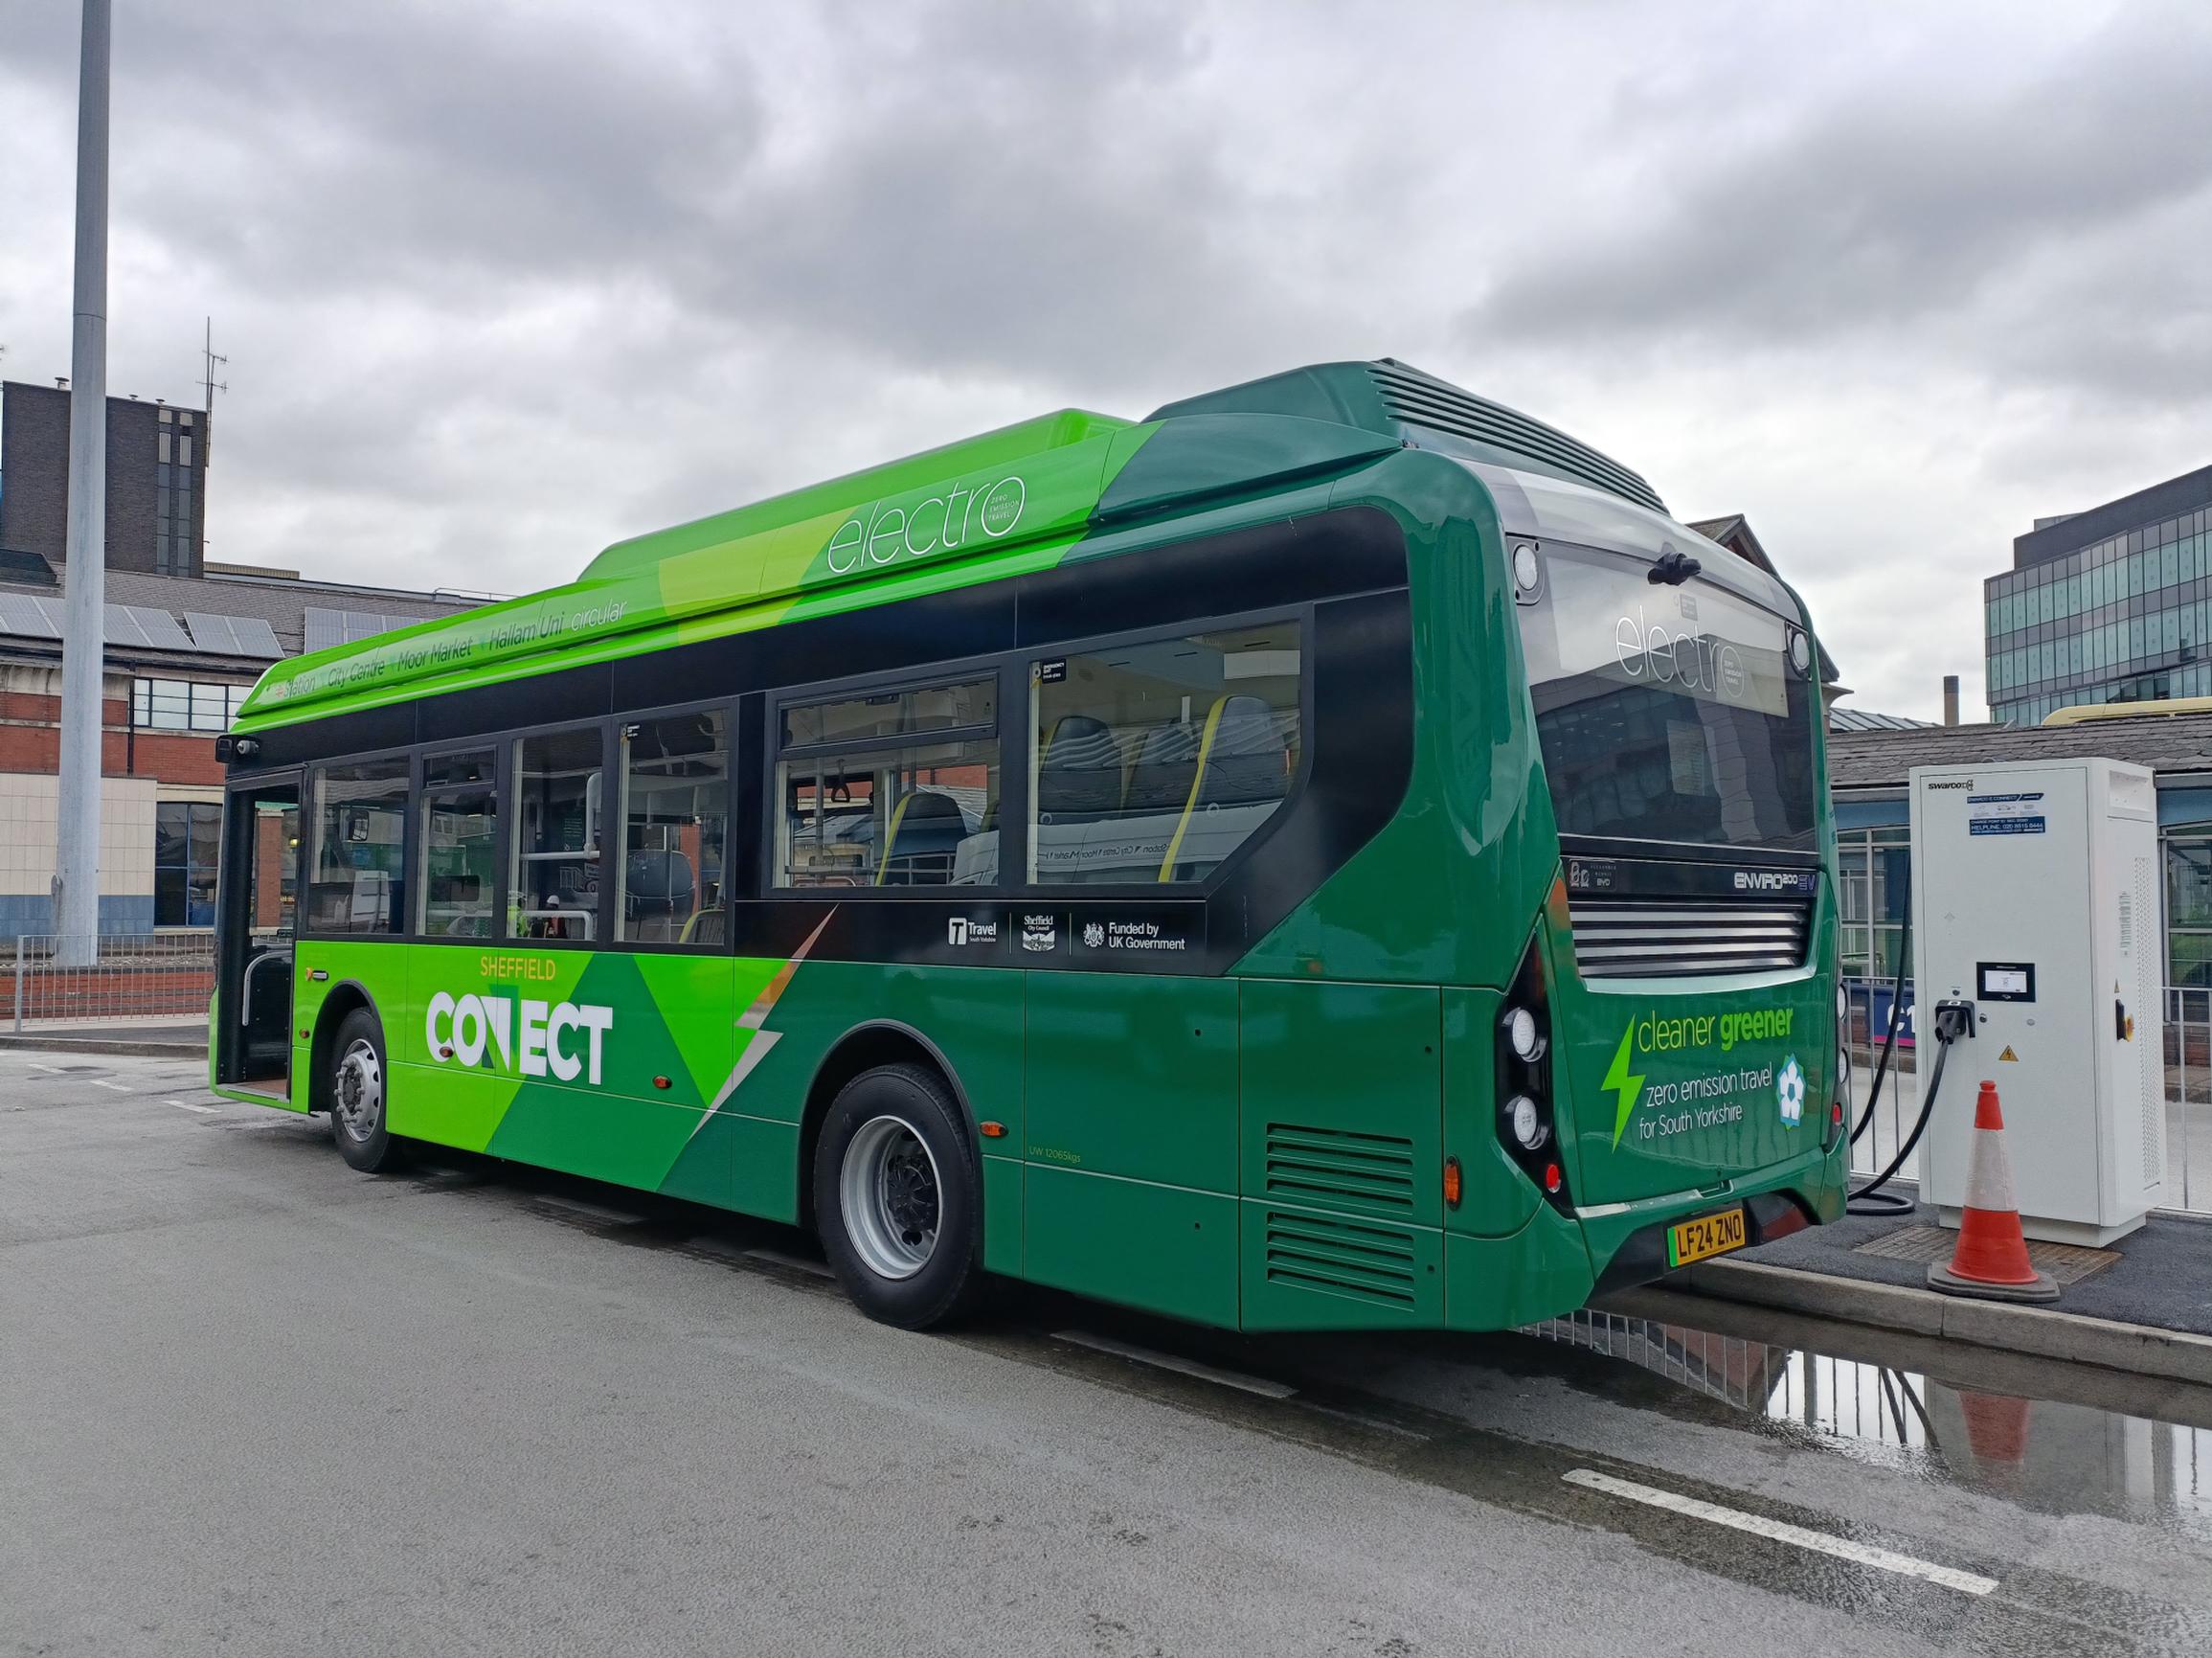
{"x": 2107, "y": 605}
{"x": 157, "y": 468}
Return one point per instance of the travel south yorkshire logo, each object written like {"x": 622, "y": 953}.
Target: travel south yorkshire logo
{"x": 1712, "y": 1097}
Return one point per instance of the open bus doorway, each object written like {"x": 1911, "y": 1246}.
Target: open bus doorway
{"x": 256, "y": 921}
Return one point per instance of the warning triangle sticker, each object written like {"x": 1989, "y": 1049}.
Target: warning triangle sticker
{"x": 2008, "y": 1053}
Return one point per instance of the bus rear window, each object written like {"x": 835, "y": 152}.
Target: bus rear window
{"x": 1667, "y": 714}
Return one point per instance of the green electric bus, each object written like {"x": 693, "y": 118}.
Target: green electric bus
{"x": 1335, "y": 853}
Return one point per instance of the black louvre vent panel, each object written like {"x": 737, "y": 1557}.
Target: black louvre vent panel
{"x": 1418, "y": 400}
{"x": 1643, "y": 938}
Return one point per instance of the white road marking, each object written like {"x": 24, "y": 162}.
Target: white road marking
{"x": 1819, "y": 1542}
{"x": 1228, "y": 1378}
{"x": 50, "y": 1070}
{"x": 111, "y": 1088}
{"x": 819, "y": 1268}
{"x": 182, "y": 1105}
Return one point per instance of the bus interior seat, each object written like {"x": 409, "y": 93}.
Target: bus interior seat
{"x": 925, "y": 829}
{"x": 658, "y": 891}
{"x": 1241, "y": 761}
{"x": 1246, "y": 761}
{"x": 1166, "y": 765}
{"x": 1080, "y": 771}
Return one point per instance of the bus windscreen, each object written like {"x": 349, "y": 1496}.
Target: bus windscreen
{"x": 1668, "y": 712}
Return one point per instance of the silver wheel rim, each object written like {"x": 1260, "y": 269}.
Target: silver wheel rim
{"x": 357, "y": 1092}
{"x": 891, "y": 1198}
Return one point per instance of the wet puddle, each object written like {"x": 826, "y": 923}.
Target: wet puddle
{"x": 2049, "y": 1455}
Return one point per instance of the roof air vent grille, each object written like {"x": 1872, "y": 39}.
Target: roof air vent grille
{"x": 1419, "y": 400}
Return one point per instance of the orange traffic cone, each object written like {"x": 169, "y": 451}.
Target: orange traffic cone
{"x": 1992, "y": 1258}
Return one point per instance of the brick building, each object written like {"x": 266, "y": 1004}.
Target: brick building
{"x": 182, "y": 652}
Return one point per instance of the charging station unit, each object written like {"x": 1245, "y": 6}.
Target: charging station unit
{"x": 2035, "y": 896}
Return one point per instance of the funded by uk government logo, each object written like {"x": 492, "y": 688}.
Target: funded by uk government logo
{"x": 1790, "y": 1091}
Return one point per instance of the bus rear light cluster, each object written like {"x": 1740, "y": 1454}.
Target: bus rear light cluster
{"x": 1840, "y": 1113}
{"x": 1523, "y": 1077}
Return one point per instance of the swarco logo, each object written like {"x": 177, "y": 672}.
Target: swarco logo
{"x": 560, "y": 1039}
{"x": 960, "y": 517}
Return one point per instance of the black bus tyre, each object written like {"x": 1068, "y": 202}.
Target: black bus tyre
{"x": 360, "y": 1090}
{"x": 896, "y": 1198}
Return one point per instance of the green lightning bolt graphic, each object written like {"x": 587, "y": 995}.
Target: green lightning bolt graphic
{"x": 1629, "y": 1087}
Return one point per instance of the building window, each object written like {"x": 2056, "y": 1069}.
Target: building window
{"x": 2189, "y": 909}
{"x": 899, "y": 789}
{"x": 1873, "y": 867}
{"x": 185, "y": 838}
{"x": 554, "y": 887}
{"x": 1156, "y": 761}
{"x": 360, "y": 829}
{"x": 184, "y": 705}
{"x": 675, "y": 817}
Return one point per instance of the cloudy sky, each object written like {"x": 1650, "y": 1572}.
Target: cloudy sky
{"x": 501, "y": 283}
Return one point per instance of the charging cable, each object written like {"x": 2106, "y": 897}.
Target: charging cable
{"x": 1953, "y": 1020}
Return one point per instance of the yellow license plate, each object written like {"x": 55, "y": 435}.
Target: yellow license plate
{"x": 1708, "y": 1236}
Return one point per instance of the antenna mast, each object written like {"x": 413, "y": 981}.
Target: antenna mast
{"x": 207, "y": 379}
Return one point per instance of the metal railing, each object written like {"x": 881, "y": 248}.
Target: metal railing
{"x": 2188, "y": 1094}
{"x": 117, "y": 978}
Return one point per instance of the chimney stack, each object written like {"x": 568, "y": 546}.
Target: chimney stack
{"x": 1950, "y": 700}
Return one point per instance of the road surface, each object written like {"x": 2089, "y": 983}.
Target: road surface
{"x": 257, "y": 1403}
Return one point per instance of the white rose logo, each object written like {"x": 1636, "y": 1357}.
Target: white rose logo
{"x": 1790, "y": 1091}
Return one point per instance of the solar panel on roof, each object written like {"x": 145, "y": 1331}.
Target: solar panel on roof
{"x": 120, "y": 627}
{"x": 159, "y": 627}
{"x": 324, "y": 627}
{"x": 233, "y": 635}
{"x": 256, "y": 637}
{"x": 27, "y": 617}
{"x": 213, "y": 632}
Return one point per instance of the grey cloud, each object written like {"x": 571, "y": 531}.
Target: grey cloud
{"x": 1905, "y": 205}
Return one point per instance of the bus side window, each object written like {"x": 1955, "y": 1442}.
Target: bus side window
{"x": 675, "y": 815}
{"x": 353, "y": 879}
{"x": 895, "y": 789}
{"x": 554, "y": 887}
{"x": 460, "y": 841}
{"x": 1153, "y": 763}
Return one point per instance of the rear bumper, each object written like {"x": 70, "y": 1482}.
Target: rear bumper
{"x": 1556, "y": 1263}
{"x": 1627, "y": 1241}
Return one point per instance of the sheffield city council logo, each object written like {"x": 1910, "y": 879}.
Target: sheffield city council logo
{"x": 1790, "y": 1091}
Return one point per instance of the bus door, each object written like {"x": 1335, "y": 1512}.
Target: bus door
{"x": 256, "y": 922}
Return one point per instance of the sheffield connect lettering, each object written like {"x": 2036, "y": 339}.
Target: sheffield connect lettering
{"x": 547, "y": 1043}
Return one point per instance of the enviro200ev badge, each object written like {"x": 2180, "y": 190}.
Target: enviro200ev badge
{"x": 1790, "y": 1091}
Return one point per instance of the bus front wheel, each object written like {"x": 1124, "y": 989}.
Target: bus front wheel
{"x": 359, "y": 1090}
{"x": 895, "y": 1197}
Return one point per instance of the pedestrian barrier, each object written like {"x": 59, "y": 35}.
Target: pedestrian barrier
{"x": 58, "y": 981}
{"x": 2188, "y": 1072}
{"x": 1992, "y": 1258}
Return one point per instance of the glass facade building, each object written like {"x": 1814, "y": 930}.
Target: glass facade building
{"x": 2113, "y": 604}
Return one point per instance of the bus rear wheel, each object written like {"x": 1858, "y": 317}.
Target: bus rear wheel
{"x": 359, "y": 1091}
{"x": 895, "y": 1197}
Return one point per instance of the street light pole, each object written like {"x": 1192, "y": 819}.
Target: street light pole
{"x": 77, "y": 852}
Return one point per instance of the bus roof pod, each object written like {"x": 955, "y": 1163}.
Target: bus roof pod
{"x": 1026, "y": 492}
{"x": 1397, "y": 401}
